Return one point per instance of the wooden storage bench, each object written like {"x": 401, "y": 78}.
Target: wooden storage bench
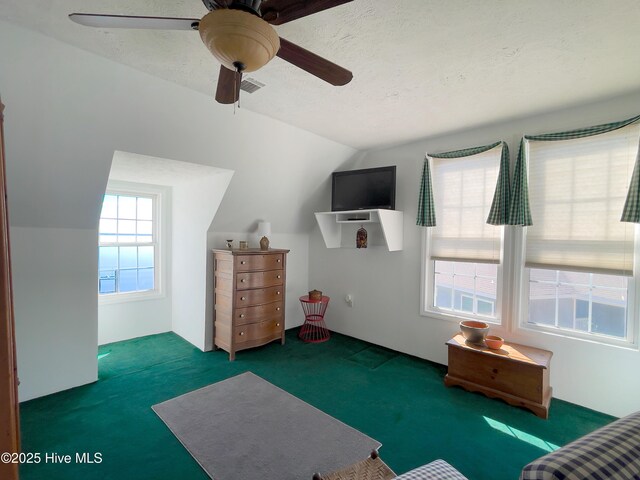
{"x": 517, "y": 374}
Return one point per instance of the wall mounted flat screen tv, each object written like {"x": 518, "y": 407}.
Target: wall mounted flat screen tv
{"x": 364, "y": 189}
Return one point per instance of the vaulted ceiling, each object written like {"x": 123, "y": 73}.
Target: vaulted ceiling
{"x": 421, "y": 67}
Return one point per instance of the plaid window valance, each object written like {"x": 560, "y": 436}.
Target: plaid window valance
{"x": 499, "y": 212}
{"x": 520, "y": 214}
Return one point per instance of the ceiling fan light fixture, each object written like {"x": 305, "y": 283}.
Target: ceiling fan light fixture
{"x": 237, "y": 37}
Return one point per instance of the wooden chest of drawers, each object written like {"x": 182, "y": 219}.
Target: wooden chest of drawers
{"x": 249, "y": 298}
{"x": 517, "y": 374}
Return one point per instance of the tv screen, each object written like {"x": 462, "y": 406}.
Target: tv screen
{"x": 364, "y": 189}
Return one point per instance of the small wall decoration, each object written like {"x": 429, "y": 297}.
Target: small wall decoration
{"x": 361, "y": 238}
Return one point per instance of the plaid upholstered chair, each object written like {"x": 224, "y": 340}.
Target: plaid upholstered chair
{"x": 611, "y": 452}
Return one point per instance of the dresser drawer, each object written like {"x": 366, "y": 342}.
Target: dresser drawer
{"x": 247, "y": 263}
{"x": 257, "y": 331}
{"x": 269, "y": 278}
{"x": 260, "y": 313}
{"x": 248, "y": 298}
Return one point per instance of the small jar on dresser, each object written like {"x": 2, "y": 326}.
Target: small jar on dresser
{"x": 249, "y": 298}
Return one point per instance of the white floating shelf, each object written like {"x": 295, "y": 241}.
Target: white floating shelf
{"x": 391, "y": 223}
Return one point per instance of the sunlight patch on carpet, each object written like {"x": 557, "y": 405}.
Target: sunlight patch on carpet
{"x": 520, "y": 435}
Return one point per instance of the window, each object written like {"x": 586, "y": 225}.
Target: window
{"x": 465, "y": 287}
{"x": 584, "y": 302}
{"x": 128, "y": 250}
{"x": 575, "y": 270}
{"x": 463, "y": 272}
{"x": 578, "y": 256}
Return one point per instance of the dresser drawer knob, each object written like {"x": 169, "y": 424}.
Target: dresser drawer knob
{"x": 277, "y": 309}
{"x": 278, "y": 260}
{"x": 242, "y": 315}
{"x": 243, "y": 262}
{"x": 278, "y": 276}
{"x": 242, "y": 280}
{"x": 241, "y": 333}
{"x": 277, "y": 293}
{"x": 277, "y": 324}
{"x": 243, "y": 298}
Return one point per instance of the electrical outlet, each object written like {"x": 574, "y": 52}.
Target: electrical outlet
{"x": 349, "y": 299}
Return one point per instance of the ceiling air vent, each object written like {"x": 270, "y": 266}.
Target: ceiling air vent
{"x": 250, "y": 85}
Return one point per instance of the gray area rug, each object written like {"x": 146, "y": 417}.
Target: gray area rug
{"x": 245, "y": 428}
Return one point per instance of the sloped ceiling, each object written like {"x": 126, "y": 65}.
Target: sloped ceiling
{"x": 67, "y": 111}
{"x": 421, "y": 67}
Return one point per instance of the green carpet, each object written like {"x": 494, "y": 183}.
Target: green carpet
{"x": 373, "y": 356}
{"x": 396, "y": 399}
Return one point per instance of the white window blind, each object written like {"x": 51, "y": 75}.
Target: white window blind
{"x": 463, "y": 191}
{"x": 577, "y": 190}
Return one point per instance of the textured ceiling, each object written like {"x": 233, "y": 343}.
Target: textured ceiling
{"x": 421, "y": 67}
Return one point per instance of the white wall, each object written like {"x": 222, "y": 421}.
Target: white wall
{"x": 386, "y": 286}
{"x": 123, "y": 320}
{"x": 196, "y": 193}
{"x": 120, "y": 319}
{"x": 194, "y": 206}
{"x": 54, "y": 293}
{"x": 67, "y": 111}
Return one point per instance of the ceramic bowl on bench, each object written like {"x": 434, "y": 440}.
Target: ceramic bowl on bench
{"x": 494, "y": 342}
{"x": 474, "y": 331}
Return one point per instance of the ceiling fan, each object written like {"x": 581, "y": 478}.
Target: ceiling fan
{"x": 239, "y": 34}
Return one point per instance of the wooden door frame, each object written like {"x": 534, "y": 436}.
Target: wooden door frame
{"x": 9, "y": 416}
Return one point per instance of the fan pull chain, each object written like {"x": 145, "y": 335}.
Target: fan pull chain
{"x": 236, "y": 94}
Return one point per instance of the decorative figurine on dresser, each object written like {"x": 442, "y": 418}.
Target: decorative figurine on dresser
{"x": 249, "y": 297}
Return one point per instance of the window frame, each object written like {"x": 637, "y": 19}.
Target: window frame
{"x": 427, "y": 283}
{"x": 512, "y": 299}
{"x": 427, "y": 287}
{"x": 521, "y": 295}
{"x": 515, "y": 317}
{"x": 633, "y": 294}
{"x": 147, "y": 191}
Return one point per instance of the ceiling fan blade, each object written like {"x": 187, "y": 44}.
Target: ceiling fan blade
{"x": 277, "y": 12}
{"x": 128, "y": 21}
{"x": 215, "y": 4}
{"x": 228, "y": 90}
{"x": 312, "y": 63}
